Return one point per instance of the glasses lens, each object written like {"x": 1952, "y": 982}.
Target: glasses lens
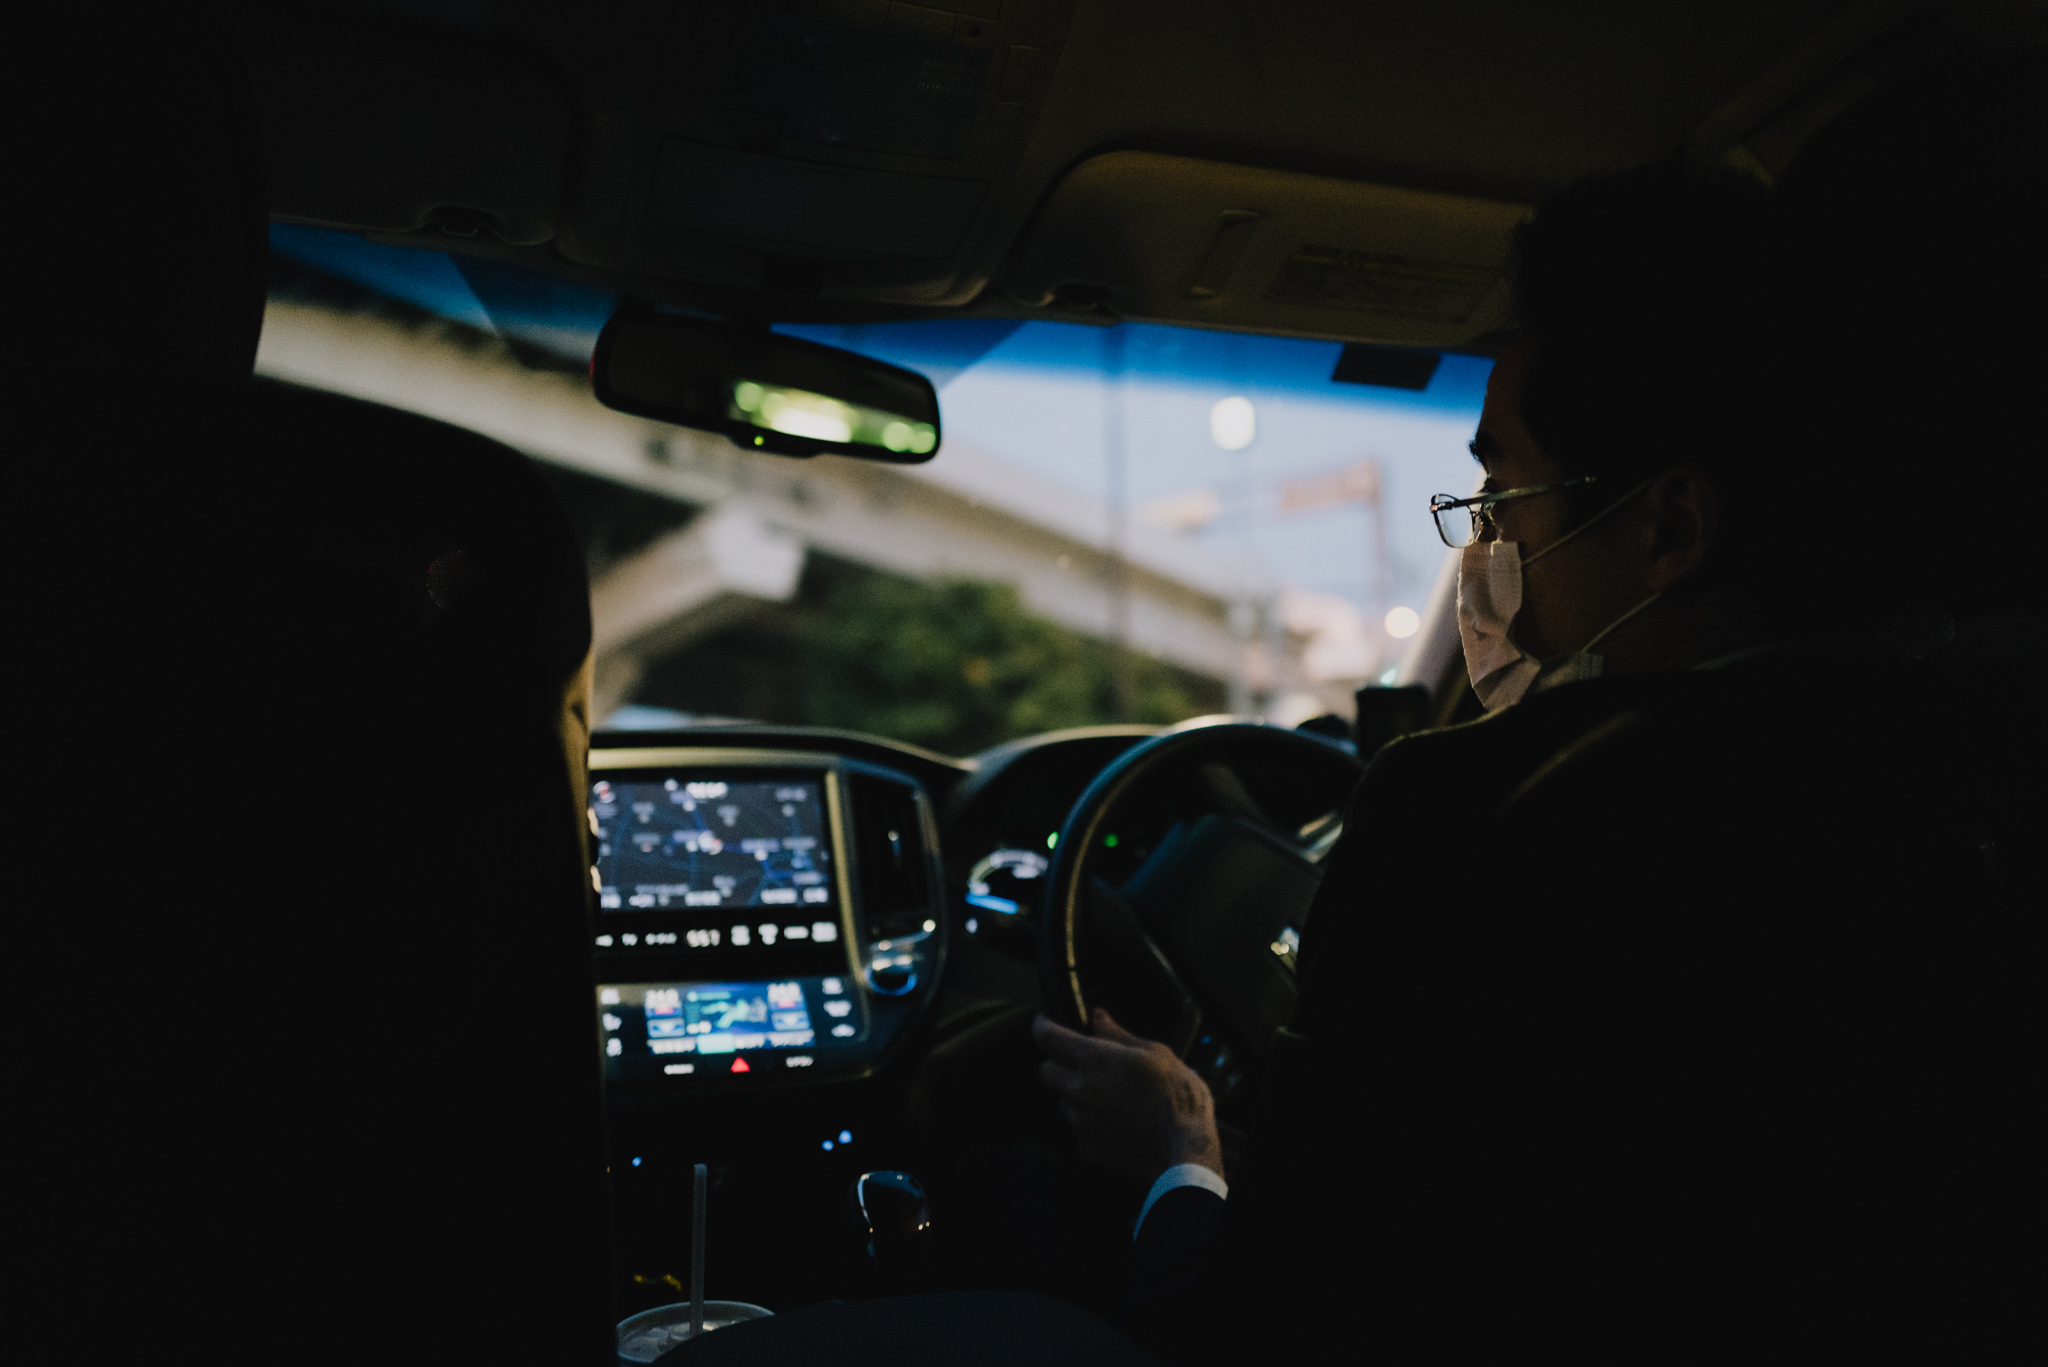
{"x": 1457, "y": 526}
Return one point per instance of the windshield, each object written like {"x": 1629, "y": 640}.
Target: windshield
{"x": 1130, "y": 523}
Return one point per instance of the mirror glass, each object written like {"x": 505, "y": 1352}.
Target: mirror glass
{"x": 764, "y": 391}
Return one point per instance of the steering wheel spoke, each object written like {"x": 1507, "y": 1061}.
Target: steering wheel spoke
{"x": 1219, "y": 894}
{"x": 1141, "y": 987}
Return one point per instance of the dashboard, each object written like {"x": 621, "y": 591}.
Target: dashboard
{"x": 782, "y": 907}
{"x": 775, "y": 907}
{"x": 764, "y": 916}
{"x": 815, "y": 954}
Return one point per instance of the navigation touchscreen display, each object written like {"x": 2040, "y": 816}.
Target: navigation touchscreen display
{"x": 733, "y": 872}
{"x": 712, "y": 842}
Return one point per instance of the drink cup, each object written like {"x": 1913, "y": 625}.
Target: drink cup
{"x": 647, "y": 1335}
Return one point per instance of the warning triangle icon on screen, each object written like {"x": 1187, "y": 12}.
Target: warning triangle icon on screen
{"x": 739, "y": 1065}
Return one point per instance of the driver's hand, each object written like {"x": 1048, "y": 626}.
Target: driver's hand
{"x": 1133, "y": 1106}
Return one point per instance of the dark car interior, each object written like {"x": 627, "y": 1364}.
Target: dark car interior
{"x": 435, "y": 1052}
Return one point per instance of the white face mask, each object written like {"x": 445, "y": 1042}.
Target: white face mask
{"x": 1489, "y": 596}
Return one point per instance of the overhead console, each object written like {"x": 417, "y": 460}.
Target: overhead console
{"x": 1177, "y": 240}
{"x": 765, "y": 917}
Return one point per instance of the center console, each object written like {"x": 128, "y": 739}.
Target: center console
{"x": 765, "y": 918}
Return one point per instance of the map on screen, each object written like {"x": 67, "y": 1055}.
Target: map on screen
{"x": 678, "y": 843}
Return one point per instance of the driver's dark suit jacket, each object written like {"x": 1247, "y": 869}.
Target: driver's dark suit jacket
{"x": 1652, "y": 1014}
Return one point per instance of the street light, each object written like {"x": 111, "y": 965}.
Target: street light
{"x": 1233, "y": 423}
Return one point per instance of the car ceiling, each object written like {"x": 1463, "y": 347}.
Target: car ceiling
{"x": 1347, "y": 170}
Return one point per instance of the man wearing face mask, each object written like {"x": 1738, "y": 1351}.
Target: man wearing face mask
{"x": 1594, "y": 566}
{"x": 1623, "y": 524}
{"x": 1622, "y": 1013}
{"x": 1514, "y": 621}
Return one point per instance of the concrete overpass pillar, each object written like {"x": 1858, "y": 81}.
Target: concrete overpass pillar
{"x": 726, "y": 565}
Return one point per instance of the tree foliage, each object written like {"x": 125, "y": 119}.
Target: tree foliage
{"x": 960, "y": 665}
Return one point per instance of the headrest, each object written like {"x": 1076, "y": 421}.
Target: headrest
{"x": 463, "y": 559}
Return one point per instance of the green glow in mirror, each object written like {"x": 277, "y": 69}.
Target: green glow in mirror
{"x": 801, "y": 413}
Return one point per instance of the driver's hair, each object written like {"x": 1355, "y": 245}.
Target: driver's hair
{"x": 1647, "y": 305}
{"x": 1851, "y": 355}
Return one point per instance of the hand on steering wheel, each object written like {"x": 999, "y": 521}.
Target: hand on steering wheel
{"x": 1133, "y": 1106}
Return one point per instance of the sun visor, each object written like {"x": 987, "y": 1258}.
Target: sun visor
{"x": 1177, "y": 240}
{"x": 374, "y": 125}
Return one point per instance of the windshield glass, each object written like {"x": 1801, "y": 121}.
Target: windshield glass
{"x": 1131, "y": 523}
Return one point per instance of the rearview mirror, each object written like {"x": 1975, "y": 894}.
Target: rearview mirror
{"x": 765, "y": 391}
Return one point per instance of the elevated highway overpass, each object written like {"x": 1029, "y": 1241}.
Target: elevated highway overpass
{"x": 963, "y": 515}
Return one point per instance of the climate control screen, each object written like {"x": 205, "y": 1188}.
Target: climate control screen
{"x": 683, "y": 1028}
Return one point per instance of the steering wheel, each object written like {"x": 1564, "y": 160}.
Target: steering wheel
{"x": 1196, "y": 946}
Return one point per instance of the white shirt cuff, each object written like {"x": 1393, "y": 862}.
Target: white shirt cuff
{"x": 1181, "y": 1175}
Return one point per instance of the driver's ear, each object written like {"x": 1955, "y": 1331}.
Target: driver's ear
{"x": 1685, "y": 519}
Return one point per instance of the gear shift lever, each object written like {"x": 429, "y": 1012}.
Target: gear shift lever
{"x": 897, "y": 1218}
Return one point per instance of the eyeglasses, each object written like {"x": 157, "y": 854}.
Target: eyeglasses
{"x": 1462, "y": 521}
